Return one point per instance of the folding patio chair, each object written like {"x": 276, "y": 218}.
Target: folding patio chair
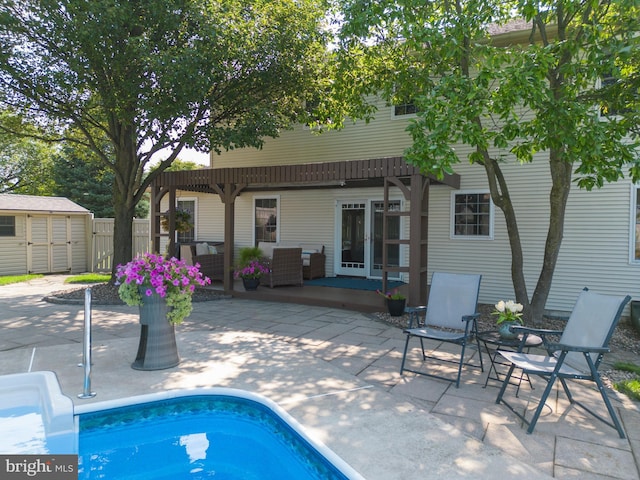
{"x": 577, "y": 355}
{"x": 451, "y": 317}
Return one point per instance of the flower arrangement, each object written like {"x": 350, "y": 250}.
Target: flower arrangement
{"x": 252, "y": 269}
{"x": 393, "y": 295}
{"x": 183, "y": 221}
{"x": 251, "y": 263}
{"x": 172, "y": 279}
{"x": 508, "y": 311}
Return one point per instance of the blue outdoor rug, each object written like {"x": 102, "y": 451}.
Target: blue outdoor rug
{"x": 353, "y": 283}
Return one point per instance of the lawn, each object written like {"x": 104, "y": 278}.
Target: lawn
{"x": 83, "y": 278}
{"x": 9, "y": 279}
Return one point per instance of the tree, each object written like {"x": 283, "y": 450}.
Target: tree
{"x": 157, "y": 75}
{"x": 25, "y": 164}
{"x": 538, "y": 95}
{"x": 82, "y": 178}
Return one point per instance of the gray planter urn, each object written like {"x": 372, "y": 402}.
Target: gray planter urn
{"x": 157, "y": 349}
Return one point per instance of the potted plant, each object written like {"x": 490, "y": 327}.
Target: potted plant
{"x": 396, "y": 302}
{"x": 509, "y": 313}
{"x": 184, "y": 222}
{"x": 163, "y": 290}
{"x": 251, "y": 267}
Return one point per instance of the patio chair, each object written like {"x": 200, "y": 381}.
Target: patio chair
{"x": 285, "y": 266}
{"x": 451, "y": 317}
{"x": 577, "y": 355}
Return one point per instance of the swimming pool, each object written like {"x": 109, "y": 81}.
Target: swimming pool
{"x": 214, "y": 433}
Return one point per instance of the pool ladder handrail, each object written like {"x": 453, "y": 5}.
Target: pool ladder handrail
{"x": 86, "y": 348}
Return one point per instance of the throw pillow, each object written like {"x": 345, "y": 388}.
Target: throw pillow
{"x": 202, "y": 248}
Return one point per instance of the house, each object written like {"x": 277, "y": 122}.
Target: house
{"x": 464, "y": 233}
{"x": 292, "y": 191}
{"x": 43, "y": 235}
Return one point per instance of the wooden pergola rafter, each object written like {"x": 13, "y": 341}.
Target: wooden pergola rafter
{"x": 229, "y": 183}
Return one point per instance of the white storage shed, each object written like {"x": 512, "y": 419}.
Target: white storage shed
{"x": 43, "y": 235}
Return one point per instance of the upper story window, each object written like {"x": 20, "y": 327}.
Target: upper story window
{"x": 405, "y": 109}
{"x": 635, "y": 225}
{"x": 7, "y": 226}
{"x": 472, "y": 215}
{"x": 611, "y": 105}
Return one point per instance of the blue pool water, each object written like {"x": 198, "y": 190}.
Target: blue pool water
{"x": 197, "y": 437}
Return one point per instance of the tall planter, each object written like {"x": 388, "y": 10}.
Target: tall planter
{"x": 396, "y": 306}
{"x": 157, "y": 349}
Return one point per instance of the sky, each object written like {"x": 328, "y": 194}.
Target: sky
{"x": 193, "y": 156}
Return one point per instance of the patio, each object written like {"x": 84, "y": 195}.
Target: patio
{"x": 336, "y": 372}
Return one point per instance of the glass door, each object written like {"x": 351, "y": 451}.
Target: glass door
{"x": 393, "y": 251}
{"x": 360, "y": 244}
{"x": 353, "y": 244}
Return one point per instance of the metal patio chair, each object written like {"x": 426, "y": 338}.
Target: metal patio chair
{"x": 577, "y": 355}
{"x": 451, "y": 317}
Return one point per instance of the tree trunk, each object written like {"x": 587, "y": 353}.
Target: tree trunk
{"x": 122, "y": 233}
{"x": 127, "y": 193}
{"x": 501, "y": 198}
{"x": 561, "y": 185}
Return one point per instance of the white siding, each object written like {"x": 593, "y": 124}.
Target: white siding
{"x": 13, "y": 250}
{"x": 594, "y": 252}
{"x": 80, "y": 255}
{"x": 384, "y": 137}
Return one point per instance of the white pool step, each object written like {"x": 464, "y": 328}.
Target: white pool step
{"x": 35, "y": 417}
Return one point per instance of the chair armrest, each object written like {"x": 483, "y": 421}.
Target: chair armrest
{"x": 535, "y": 331}
{"x": 468, "y": 318}
{"x": 541, "y": 332}
{"x": 413, "y": 314}
{"x": 554, "y": 347}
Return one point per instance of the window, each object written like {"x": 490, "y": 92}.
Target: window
{"x": 635, "y": 230}
{"x": 612, "y": 106}
{"x": 266, "y": 220}
{"x": 405, "y": 109}
{"x": 187, "y": 206}
{"x": 472, "y": 215}
{"x": 7, "y": 226}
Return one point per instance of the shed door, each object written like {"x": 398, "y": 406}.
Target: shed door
{"x": 48, "y": 244}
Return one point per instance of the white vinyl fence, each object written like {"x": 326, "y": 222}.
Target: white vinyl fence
{"x": 102, "y": 244}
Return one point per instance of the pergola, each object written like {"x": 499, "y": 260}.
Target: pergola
{"x": 388, "y": 173}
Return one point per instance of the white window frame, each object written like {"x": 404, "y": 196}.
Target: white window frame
{"x": 605, "y": 117}
{"x": 194, "y": 216}
{"x": 452, "y": 216}
{"x": 395, "y": 116}
{"x": 634, "y": 224}
{"x": 7, "y": 226}
{"x": 253, "y": 215}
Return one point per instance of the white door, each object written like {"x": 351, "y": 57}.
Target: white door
{"x": 48, "y": 244}
{"x": 359, "y": 242}
{"x": 352, "y": 246}
{"x": 376, "y": 250}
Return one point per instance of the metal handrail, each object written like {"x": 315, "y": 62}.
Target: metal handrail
{"x": 86, "y": 350}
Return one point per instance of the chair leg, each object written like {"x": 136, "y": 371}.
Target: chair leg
{"x": 543, "y": 401}
{"x": 460, "y": 366}
{"x": 404, "y": 355}
{"x": 424, "y": 355}
{"x": 507, "y": 378}
{"x": 480, "y": 354}
{"x": 607, "y": 402}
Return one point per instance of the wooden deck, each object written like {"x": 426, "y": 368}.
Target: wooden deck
{"x": 348, "y": 299}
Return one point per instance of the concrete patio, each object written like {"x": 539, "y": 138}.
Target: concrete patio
{"x": 336, "y": 372}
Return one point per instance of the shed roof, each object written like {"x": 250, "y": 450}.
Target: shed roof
{"x": 34, "y": 203}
